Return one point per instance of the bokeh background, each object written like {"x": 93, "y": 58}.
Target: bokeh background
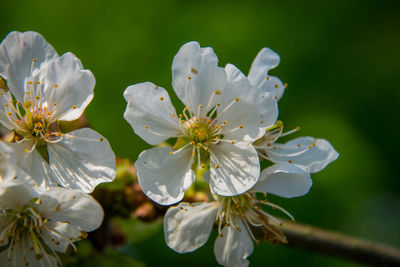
{"x": 341, "y": 60}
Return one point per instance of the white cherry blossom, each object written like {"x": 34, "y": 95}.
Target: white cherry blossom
{"x": 43, "y": 89}
{"x": 188, "y": 225}
{"x": 215, "y": 130}
{"x": 313, "y": 154}
{"x": 37, "y": 223}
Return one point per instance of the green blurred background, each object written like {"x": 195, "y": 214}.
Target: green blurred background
{"x": 341, "y": 60}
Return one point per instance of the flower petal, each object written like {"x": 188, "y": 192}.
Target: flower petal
{"x": 24, "y": 256}
{"x": 33, "y": 164}
{"x": 233, "y": 74}
{"x": 15, "y": 194}
{"x": 61, "y": 238}
{"x": 285, "y": 180}
{"x": 235, "y": 168}
{"x": 17, "y": 52}
{"x": 266, "y": 60}
{"x": 188, "y": 226}
{"x": 311, "y": 153}
{"x": 7, "y": 162}
{"x": 247, "y": 107}
{"x": 72, "y": 206}
{"x": 82, "y": 160}
{"x": 233, "y": 247}
{"x": 150, "y": 113}
{"x": 68, "y": 85}
{"x": 196, "y": 75}
{"x": 164, "y": 177}
{"x": 5, "y": 100}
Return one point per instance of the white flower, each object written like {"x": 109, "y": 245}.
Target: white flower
{"x": 34, "y": 223}
{"x": 221, "y": 119}
{"x": 188, "y": 226}
{"x": 45, "y": 88}
{"x": 308, "y": 152}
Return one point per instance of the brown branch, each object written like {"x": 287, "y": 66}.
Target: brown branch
{"x": 338, "y": 245}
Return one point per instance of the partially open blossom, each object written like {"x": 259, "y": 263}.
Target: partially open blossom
{"x": 215, "y": 130}
{"x": 37, "y": 223}
{"x": 43, "y": 89}
{"x": 188, "y": 226}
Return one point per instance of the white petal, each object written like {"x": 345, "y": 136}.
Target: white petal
{"x": 33, "y": 164}
{"x": 82, "y": 160}
{"x": 72, "y": 206}
{"x": 16, "y": 54}
{"x": 196, "y": 75}
{"x": 7, "y": 162}
{"x": 5, "y": 99}
{"x": 74, "y": 86}
{"x": 22, "y": 250}
{"x": 266, "y": 60}
{"x": 15, "y": 194}
{"x": 61, "y": 238}
{"x": 255, "y": 111}
{"x": 238, "y": 168}
{"x": 164, "y": 177}
{"x": 149, "y": 112}
{"x": 311, "y": 153}
{"x": 285, "y": 180}
{"x": 274, "y": 86}
{"x": 233, "y": 247}
{"x": 188, "y": 226}
{"x": 233, "y": 74}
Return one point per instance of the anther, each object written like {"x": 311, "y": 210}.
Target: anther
{"x": 203, "y": 166}
{"x": 171, "y": 152}
{"x": 30, "y": 82}
{"x": 298, "y": 145}
{"x": 26, "y": 93}
{"x": 276, "y": 85}
{"x": 236, "y": 99}
{"x": 217, "y": 166}
{"x": 147, "y": 126}
{"x": 267, "y": 78}
{"x": 34, "y": 59}
{"x": 74, "y": 107}
{"x": 37, "y": 82}
{"x": 161, "y": 98}
{"x": 189, "y": 77}
{"x": 101, "y": 139}
{"x": 240, "y": 126}
{"x": 290, "y": 161}
{"x": 233, "y": 141}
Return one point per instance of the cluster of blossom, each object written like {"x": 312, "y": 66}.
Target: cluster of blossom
{"x": 228, "y": 125}
{"x": 46, "y": 173}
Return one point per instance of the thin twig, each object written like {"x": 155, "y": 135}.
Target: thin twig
{"x": 338, "y": 245}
